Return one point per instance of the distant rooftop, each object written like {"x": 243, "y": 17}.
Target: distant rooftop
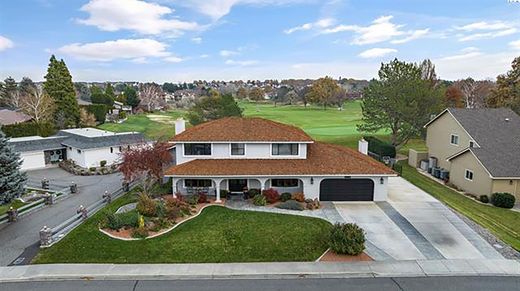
{"x": 8, "y": 117}
{"x": 94, "y": 132}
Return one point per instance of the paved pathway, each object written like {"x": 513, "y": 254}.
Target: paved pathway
{"x": 15, "y": 237}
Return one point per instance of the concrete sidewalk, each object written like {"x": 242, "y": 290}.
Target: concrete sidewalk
{"x": 261, "y": 270}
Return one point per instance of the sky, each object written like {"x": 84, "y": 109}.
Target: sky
{"x": 185, "y": 40}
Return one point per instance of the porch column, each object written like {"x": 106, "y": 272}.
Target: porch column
{"x": 217, "y": 189}
{"x": 262, "y": 183}
{"x": 174, "y": 187}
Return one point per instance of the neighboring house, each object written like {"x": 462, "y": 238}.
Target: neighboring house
{"x": 244, "y": 153}
{"x": 87, "y": 147}
{"x": 479, "y": 147}
{"x": 8, "y": 117}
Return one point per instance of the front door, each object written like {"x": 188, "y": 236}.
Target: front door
{"x": 237, "y": 185}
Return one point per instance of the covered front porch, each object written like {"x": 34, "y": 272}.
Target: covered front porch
{"x": 213, "y": 186}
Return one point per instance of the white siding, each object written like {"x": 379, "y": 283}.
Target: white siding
{"x": 94, "y": 156}
{"x": 78, "y": 158}
{"x": 252, "y": 151}
{"x": 32, "y": 160}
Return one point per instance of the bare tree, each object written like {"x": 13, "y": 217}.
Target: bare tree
{"x": 86, "y": 119}
{"x": 475, "y": 92}
{"x": 37, "y": 104}
{"x": 151, "y": 95}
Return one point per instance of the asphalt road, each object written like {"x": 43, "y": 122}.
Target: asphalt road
{"x": 16, "y": 237}
{"x": 367, "y": 284}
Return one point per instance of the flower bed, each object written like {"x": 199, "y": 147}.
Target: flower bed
{"x": 152, "y": 217}
{"x": 73, "y": 168}
{"x": 271, "y": 198}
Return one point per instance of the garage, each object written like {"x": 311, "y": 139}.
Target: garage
{"x": 347, "y": 190}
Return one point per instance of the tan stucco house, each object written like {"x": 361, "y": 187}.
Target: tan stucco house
{"x": 479, "y": 147}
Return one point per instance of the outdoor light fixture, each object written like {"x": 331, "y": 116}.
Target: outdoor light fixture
{"x": 312, "y": 180}
{"x": 381, "y": 180}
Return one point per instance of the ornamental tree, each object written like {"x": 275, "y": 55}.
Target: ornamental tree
{"x": 12, "y": 181}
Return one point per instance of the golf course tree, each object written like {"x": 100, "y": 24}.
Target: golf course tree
{"x": 507, "y": 91}
{"x": 213, "y": 107}
{"x": 12, "y": 181}
{"x": 256, "y": 94}
{"x": 58, "y": 84}
{"x": 324, "y": 91}
{"x": 400, "y": 101}
{"x": 131, "y": 96}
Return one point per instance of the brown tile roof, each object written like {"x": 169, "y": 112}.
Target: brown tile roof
{"x": 243, "y": 129}
{"x": 8, "y": 117}
{"x": 322, "y": 159}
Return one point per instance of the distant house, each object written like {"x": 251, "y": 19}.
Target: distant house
{"x": 87, "y": 147}
{"x": 479, "y": 147}
{"x": 8, "y": 117}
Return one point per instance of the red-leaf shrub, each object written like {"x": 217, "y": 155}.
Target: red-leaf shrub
{"x": 203, "y": 198}
{"x": 271, "y": 195}
{"x": 298, "y": 196}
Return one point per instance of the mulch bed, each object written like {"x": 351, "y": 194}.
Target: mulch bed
{"x": 330, "y": 256}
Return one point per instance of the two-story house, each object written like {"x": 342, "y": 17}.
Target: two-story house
{"x": 479, "y": 147}
{"x": 244, "y": 153}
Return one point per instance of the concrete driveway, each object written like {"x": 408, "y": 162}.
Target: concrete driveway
{"x": 16, "y": 237}
{"x": 414, "y": 225}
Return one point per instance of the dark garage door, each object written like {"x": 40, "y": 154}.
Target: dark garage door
{"x": 347, "y": 190}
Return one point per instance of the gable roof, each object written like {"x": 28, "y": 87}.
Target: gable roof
{"x": 36, "y": 143}
{"x": 8, "y": 117}
{"x": 322, "y": 159}
{"x": 497, "y": 132}
{"x": 242, "y": 129}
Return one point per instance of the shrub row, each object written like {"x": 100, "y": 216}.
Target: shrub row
{"x": 120, "y": 220}
{"x": 29, "y": 129}
{"x": 380, "y": 147}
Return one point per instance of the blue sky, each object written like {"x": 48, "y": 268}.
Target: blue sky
{"x": 183, "y": 40}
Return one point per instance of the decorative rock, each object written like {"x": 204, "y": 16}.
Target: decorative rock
{"x": 126, "y": 208}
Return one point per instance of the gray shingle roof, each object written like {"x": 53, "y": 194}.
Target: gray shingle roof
{"x": 49, "y": 143}
{"x": 497, "y": 132}
{"x": 83, "y": 142}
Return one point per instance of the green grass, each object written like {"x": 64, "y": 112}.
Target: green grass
{"x": 330, "y": 125}
{"x": 218, "y": 235}
{"x": 15, "y": 204}
{"x": 503, "y": 223}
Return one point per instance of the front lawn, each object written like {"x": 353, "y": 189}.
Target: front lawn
{"x": 503, "y": 223}
{"x": 217, "y": 235}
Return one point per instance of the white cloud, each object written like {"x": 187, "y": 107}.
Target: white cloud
{"x": 241, "y": 63}
{"x": 488, "y": 35}
{"x": 228, "y": 53}
{"x": 135, "y": 15}
{"x": 467, "y": 53}
{"x": 483, "y": 25}
{"x": 216, "y": 9}
{"x": 476, "y": 65}
{"x": 140, "y": 60}
{"x": 381, "y": 29}
{"x": 414, "y": 35}
{"x": 173, "y": 59}
{"x": 515, "y": 44}
{"x": 203, "y": 56}
{"x": 5, "y": 43}
{"x": 377, "y": 52}
{"x": 197, "y": 40}
{"x": 322, "y": 23}
{"x": 116, "y": 49}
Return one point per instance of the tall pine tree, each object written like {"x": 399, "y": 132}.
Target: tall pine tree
{"x": 58, "y": 84}
{"x": 12, "y": 181}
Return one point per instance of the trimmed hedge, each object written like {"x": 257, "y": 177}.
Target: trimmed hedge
{"x": 291, "y": 205}
{"x": 99, "y": 111}
{"x": 29, "y": 129}
{"x": 380, "y": 147}
{"x": 503, "y": 200}
{"x": 347, "y": 239}
{"x": 285, "y": 196}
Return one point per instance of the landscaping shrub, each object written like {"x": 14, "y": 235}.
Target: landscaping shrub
{"x": 271, "y": 195}
{"x": 193, "y": 199}
{"x": 285, "y": 196}
{"x": 253, "y": 192}
{"x": 122, "y": 115}
{"x": 484, "y": 199}
{"x": 146, "y": 205}
{"x": 348, "y": 239}
{"x": 503, "y": 200}
{"x": 380, "y": 147}
{"x": 203, "y": 198}
{"x": 102, "y": 163}
{"x": 176, "y": 207}
{"x": 312, "y": 204}
{"x": 92, "y": 169}
{"x": 120, "y": 220}
{"x": 224, "y": 193}
{"x": 291, "y": 205}
{"x": 298, "y": 196}
{"x": 99, "y": 111}
{"x": 140, "y": 232}
{"x": 160, "y": 209}
{"x": 259, "y": 200}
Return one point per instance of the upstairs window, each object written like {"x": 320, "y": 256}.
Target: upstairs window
{"x": 238, "y": 149}
{"x": 469, "y": 175}
{"x": 285, "y": 149}
{"x": 197, "y": 149}
{"x": 454, "y": 139}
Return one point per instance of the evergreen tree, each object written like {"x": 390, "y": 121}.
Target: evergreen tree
{"x": 10, "y": 94}
{"x": 109, "y": 95}
{"x": 58, "y": 84}
{"x": 213, "y": 107}
{"x": 26, "y": 86}
{"x": 131, "y": 96}
{"x": 12, "y": 181}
